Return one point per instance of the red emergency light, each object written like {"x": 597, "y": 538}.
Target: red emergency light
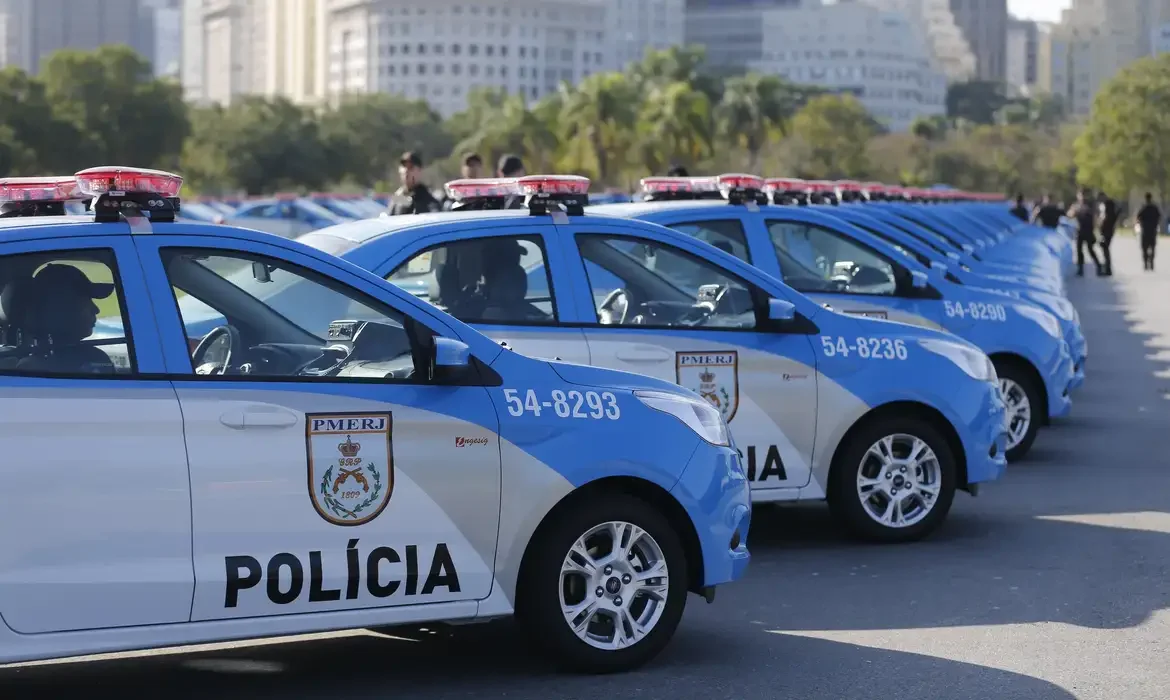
{"x": 739, "y": 181}
{"x": 553, "y": 184}
{"x": 39, "y": 189}
{"x": 470, "y": 188}
{"x": 848, "y": 186}
{"x": 667, "y": 185}
{"x": 785, "y": 184}
{"x": 108, "y": 178}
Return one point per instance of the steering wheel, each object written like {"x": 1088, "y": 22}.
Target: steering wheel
{"x": 607, "y": 307}
{"x": 233, "y": 343}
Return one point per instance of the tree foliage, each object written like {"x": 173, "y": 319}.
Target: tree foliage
{"x": 103, "y": 107}
{"x": 1126, "y": 144}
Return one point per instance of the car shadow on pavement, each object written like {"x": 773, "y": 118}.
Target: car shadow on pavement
{"x": 1078, "y": 533}
{"x": 492, "y": 660}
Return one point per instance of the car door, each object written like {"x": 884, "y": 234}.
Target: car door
{"x": 853, "y": 278}
{"x": 764, "y": 383}
{"x": 95, "y": 513}
{"x": 502, "y": 280}
{"x": 327, "y": 474}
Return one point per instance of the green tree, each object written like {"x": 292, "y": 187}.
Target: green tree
{"x": 674, "y": 126}
{"x": 596, "y": 124}
{"x": 831, "y": 136}
{"x": 256, "y": 145}
{"x": 755, "y": 110}
{"x": 119, "y": 112}
{"x": 37, "y": 142}
{"x": 499, "y": 123}
{"x": 1126, "y": 144}
{"x": 365, "y": 135}
{"x": 975, "y": 101}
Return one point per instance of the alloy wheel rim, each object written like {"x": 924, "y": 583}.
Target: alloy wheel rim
{"x": 899, "y": 481}
{"x": 614, "y": 585}
{"x": 1019, "y": 411}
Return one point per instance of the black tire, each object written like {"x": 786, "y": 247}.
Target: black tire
{"x": 845, "y": 501}
{"x": 1022, "y": 377}
{"x": 538, "y": 595}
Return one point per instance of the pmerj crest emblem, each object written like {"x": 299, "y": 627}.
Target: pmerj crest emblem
{"x": 712, "y": 375}
{"x": 350, "y": 480}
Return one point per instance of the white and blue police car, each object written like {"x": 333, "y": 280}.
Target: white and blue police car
{"x": 286, "y": 472}
{"x": 884, "y": 420}
{"x": 855, "y": 272}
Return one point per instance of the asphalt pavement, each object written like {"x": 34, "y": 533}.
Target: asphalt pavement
{"x": 1051, "y": 584}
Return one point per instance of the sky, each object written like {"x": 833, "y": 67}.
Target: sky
{"x": 1046, "y": 10}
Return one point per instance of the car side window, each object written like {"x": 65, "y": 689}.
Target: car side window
{"x": 498, "y": 279}
{"x": 254, "y": 317}
{"x": 814, "y": 259}
{"x": 727, "y": 235}
{"x": 639, "y": 282}
{"x": 63, "y": 315}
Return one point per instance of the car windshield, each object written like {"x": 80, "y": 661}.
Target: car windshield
{"x": 893, "y": 243}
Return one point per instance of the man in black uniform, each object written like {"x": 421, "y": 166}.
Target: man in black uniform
{"x": 1047, "y": 213}
{"x": 1020, "y": 211}
{"x": 1109, "y": 216}
{"x": 472, "y": 169}
{"x": 1149, "y": 218}
{"x": 413, "y": 197}
{"x": 1086, "y": 216}
{"x": 511, "y": 166}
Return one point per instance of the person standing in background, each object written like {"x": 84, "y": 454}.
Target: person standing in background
{"x": 1047, "y": 213}
{"x": 413, "y": 197}
{"x": 1109, "y": 215}
{"x": 1149, "y": 220}
{"x": 472, "y": 169}
{"x": 511, "y": 166}
{"x": 1086, "y": 217}
{"x": 1020, "y": 211}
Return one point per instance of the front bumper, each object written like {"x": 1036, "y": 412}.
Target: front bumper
{"x": 715, "y": 492}
{"x": 1059, "y": 383}
{"x": 987, "y": 439}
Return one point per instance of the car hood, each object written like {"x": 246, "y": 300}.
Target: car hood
{"x": 586, "y": 375}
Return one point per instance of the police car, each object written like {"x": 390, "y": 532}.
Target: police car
{"x": 884, "y": 420}
{"x": 856, "y": 273}
{"x": 287, "y": 472}
{"x": 899, "y": 236}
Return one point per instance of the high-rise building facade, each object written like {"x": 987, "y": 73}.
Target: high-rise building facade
{"x": 32, "y": 30}
{"x": 984, "y": 24}
{"x": 952, "y": 51}
{"x": 1023, "y": 45}
{"x": 883, "y": 58}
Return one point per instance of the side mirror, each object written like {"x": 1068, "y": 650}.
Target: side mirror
{"x": 919, "y": 279}
{"x": 450, "y": 361}
{"x": 941, "y": 267}
{"x": 781, "y": 310}
{"x": 451, "y": 353}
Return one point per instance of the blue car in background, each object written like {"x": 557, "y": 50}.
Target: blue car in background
{"x": 855, "y": 272}
{"x": 862, "y": 217}
{"x": 884, "y": 420}
{"x": 285, "y": 216}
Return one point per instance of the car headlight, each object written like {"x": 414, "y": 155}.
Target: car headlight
{"x": 971, "y": 360}
{"x": 697, "y": 414}
{"x": 1042, "y": 318}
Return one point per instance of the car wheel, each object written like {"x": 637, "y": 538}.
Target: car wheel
{"x": 1023, "y": 402}
{"x": 894, "y": 481}
{"x": 604, "y": 587}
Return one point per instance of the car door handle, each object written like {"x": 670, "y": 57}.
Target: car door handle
{"x": 259, "y": 417}
{"x": 643, "y": 353}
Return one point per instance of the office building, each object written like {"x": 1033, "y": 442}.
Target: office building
{"x": 952, "y": 51}
{"x": 32, "y": 30}
{"x": 984, "y": 24}
{"x": 1023, "y": 45}
{"x": 883, "y": 58}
